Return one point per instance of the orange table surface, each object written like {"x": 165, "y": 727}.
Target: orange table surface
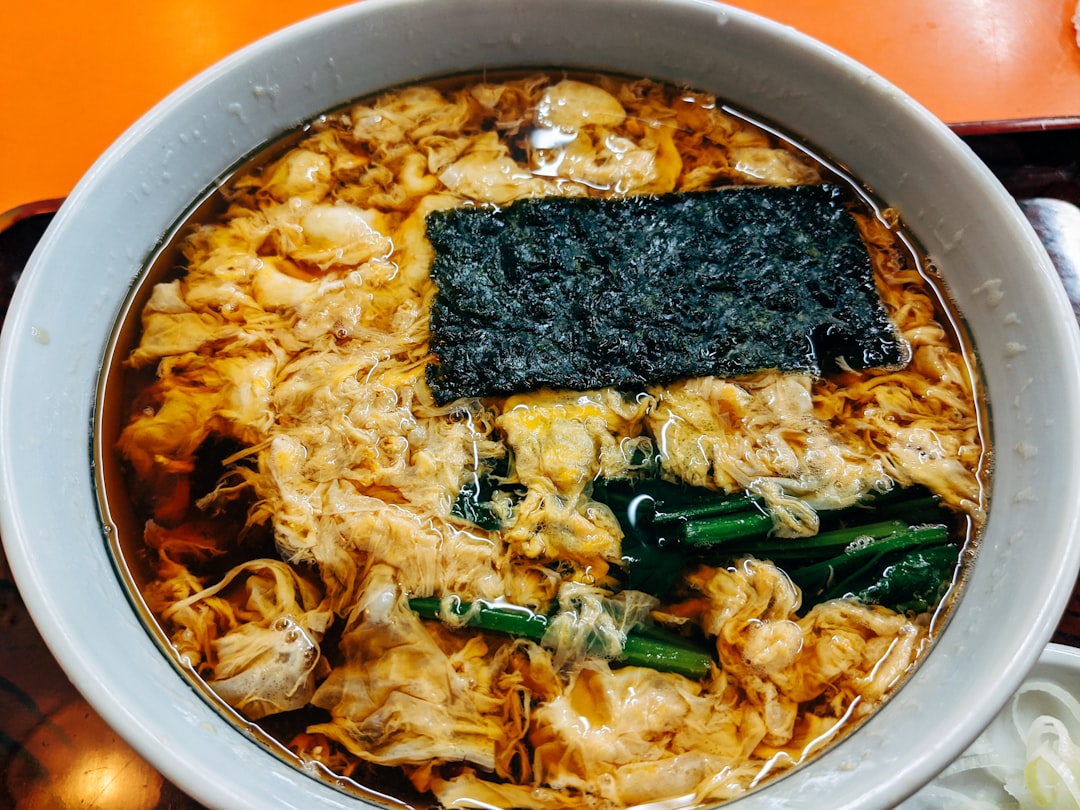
{"x": 74, "y": 76}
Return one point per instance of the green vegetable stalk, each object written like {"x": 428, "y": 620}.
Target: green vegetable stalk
{"x": 645, "y": 646}
{"x": 891, "y": 549}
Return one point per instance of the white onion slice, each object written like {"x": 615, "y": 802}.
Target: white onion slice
{"x": 1034, "y": 765}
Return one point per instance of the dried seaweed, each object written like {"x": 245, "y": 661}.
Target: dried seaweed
{"x": 583, "y": 293}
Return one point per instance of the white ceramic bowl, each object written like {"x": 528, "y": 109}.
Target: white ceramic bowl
{"x": 65, "y": 305}
{"x": 998, "y": 757}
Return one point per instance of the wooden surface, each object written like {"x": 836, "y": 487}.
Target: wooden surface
{"x": 968, "y": 61}
{"x": 74, "y": 76}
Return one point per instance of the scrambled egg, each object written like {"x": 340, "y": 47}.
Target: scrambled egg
{"x": 299, "y": 332}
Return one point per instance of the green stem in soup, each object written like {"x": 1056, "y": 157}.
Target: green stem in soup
{"x": 645, "y": 646}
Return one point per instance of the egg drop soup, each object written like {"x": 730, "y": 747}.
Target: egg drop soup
{"x": 363, "y": 507}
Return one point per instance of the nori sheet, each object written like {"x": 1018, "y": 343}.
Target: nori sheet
{"x": 582, "y": 293}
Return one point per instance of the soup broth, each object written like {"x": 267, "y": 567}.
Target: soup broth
{"x": 546, "y": 598}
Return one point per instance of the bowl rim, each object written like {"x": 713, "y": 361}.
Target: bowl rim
{"x": 1058, "y": 659}
{"x": 37, "y": 559}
